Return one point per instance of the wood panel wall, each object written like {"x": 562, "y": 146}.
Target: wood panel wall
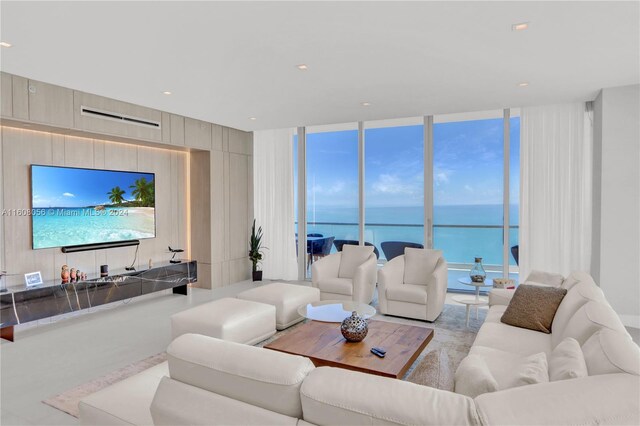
{"x": 20, "y": 148}
{"x": 204, "y": 175}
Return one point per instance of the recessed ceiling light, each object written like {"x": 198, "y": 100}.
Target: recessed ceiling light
{"x": 302, "y": 67}
{"x": 523, "y": 84}
{"x": 166, "y": 92}
{"x": 366, "y": 104}
{"x": 252, "y": 118}
{"x": 520, "y": 26}
{"x": 5, "y": 44}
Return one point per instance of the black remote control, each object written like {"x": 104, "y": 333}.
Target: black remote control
{"x": 381, "y": 350}
{"x": 376, "y": 353}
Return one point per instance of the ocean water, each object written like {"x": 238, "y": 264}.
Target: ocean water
{"x": 459, "y": 245}
{"x": 57, "y": 227}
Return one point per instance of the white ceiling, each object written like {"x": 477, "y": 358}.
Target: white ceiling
{"x": 228, "y": 61}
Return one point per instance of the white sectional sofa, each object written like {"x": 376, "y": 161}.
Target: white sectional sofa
{"x": 214, "y": 382}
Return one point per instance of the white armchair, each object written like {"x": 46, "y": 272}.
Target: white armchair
{"x": 348, "y": 275}
{"x": 414, "y": 285}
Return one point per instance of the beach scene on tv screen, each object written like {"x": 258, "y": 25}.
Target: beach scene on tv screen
{"x": 83, "y": 206}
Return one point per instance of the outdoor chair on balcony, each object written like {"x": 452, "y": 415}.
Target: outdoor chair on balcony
{"x": 392, "y": 249}
{"x": 340, "y": 243}
{"x": 319, "y": 249}
{"x": 413, "y": 285}
{"x": 347, "y": 275}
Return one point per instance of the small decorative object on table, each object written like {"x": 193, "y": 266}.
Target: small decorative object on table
{"x": 74, "y": 275}
{"x": 64, "y": 274}
{"x": 32, "y": 279}
{"x": 354, "y": 328}
{"x": 174, "y": 251}
{"x": 504, "y": 283}
{"x": 477, "y": 272}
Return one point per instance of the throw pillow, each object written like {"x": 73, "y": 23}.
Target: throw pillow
{"x": 352, "y": 257}
{"x": 567, "y": 361}
{"x": 544, "y": 278}
{"x": 510, "y": 369}
{"x": 419, "y": 265}
{"x": 473, "y": 377}
{"x": 533, "y": 307}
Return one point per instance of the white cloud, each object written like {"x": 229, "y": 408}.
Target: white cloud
{"x": 68, "y": 194}
{"x": 336, "y": 188}
{"x": 468, "y": 188}
{"x": 391, "y": 184}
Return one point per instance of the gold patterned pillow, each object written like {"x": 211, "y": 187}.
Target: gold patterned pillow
{"x": 533, "y": 307}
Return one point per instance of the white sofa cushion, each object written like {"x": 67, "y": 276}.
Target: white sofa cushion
{"x": 544, "y": 278}
{"x": 495, "y": 313}
{"x": 334, "y": 396}
{"x": 511, "y": 370}
{"x": 577, "y": 277}
{"x": 257, "y": 376}
{"x": 590, "y": 318}
{"x": 500, "y": 296}
{"x": 567, "y": 361}
{"x": 337, "y": 285}
{"x": 577, "y": 296}
{"x": 607, "y": 352}
{"x": 474, "y": 378}
{"x": 419, "y": 265}
{"x": 612, "y": 399}
{"x": 408, "y": 293}
{"x": 352, "y": 257}
{"x": 513, "y": 339}
{"x": 176, "y": 403}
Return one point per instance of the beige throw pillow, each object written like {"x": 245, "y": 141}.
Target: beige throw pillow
{"x": 533, "y": 307}
{"x": 567, "y": 361}
{"x": 473, "y": 377}
{"x": 352, "y": 258}
{"x": 419, "y": 265}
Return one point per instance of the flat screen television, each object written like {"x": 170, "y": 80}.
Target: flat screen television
{"x": 75, "y": 206}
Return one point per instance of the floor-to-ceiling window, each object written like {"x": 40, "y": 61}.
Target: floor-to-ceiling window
{"x": 332, "y": 188}
{"x": 468, "y": 176}
{"x": 468, "y": 192}
{"x": 394, "y": 182}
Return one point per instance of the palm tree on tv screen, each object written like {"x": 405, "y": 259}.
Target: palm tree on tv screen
{"x": 116, "y": 195}
{"x": 144, "y": 192}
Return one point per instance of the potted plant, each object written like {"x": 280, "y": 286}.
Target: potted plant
{"x": 255, "y": 250}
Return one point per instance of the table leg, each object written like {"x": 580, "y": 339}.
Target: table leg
{"x": 468, "y": 309}
{"x": 477, "y": 308}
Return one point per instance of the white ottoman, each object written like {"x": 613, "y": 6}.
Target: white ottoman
{"x": 235, "y": 320}
{"x": 286, "y": 298}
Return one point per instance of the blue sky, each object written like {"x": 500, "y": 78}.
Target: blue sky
{"x": 467, "y": 165}
{"x": 69, "y": 187}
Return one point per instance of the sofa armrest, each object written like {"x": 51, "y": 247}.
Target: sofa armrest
{"x": 325, "y": 268}
{"x": 500, "y": 296}
{"x": 364, "y": 280}
{"x": 612, "y": 399}
{"x": 366, "y": 399}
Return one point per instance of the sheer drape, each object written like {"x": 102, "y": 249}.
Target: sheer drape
{"x": 273, "y": 201}
{"x": 555, "y": 188}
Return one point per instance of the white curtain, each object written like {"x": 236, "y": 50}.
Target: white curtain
{"x": 556, "y": 171}
{"x": 273, "y": 201}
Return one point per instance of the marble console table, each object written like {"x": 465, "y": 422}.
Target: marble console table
{"x": 21, "y": 304}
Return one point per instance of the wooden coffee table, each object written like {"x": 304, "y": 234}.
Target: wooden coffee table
{"x": 323, "y": 343}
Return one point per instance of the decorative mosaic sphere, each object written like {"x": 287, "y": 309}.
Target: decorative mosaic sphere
{"x": 354, "y": 328}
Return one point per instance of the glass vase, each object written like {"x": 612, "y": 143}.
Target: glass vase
{"x": 477, "y": 272}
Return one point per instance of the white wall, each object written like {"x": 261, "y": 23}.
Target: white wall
{"x": 616, "y": 220}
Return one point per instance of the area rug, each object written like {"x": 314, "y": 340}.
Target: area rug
{"x": 434, "y": 367}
